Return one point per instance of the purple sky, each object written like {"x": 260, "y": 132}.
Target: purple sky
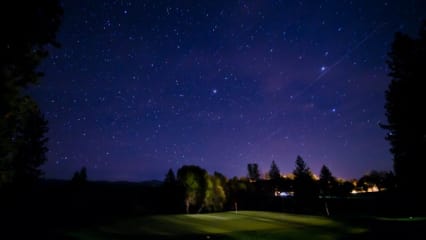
{"x": 139, "y": 87}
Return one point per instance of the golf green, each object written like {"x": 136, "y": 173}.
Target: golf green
{"x": 227, "y": 225}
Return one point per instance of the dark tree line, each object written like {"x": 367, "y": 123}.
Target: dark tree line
{"x": 406, "y": 113}
{"x": 194, "y": 190}
{"x": 28, "y": 28}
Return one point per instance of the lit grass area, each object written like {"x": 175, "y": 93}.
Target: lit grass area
{"x": 228, "y": 225}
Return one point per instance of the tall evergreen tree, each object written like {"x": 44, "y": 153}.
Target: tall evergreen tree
{"x": 170, "y": 178}
{"x": 406, "y": 110}
{"x": 172, "y": 193}
{"x": 274, "y": 172}
{"x": 28, "y": 28}
{"x": 327, "y": 182}
{"x": 302, "y": 170}
{"x": 305, "y": 189}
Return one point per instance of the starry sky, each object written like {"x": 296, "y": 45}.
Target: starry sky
{"x": 139, "y": 87}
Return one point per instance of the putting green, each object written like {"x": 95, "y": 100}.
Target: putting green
{"x": 228, "y": 225}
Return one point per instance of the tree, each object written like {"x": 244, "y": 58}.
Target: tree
{"x": 172, "y": 193}
{"x": 216, "y": 192}
{"x": 194, "y": 182}
{"x": 305, "y": 189}
{"x": 30, "y": 144}
{"x": 170, "y": 178}
{"x": 28, "y": 28}
{"x": 383, "y": 180}
{"x": 80, "y": 177}
{"x": 302, "y": 170}
{"x": 237, "y": 190}
{"x": 327, "y": 182}
{"x": 406, "y": 111}
{"x": 253, "y": 172}
{"x": 327, "y": 186}
{"x": 274, "y": 172}
{"x": 344, "y": 188}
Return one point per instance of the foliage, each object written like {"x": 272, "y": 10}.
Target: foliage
{"x": 405, "y": 109}
{"x": 302, "y": 171}
{"x": 194, "y": 181}
{"x": 305, "y": 188}
{"x": 327, "y": 182}
{"x": 201, "y": 191}
{"x": 344, "y": 188}
{"x": 171, "y": 194}
{"x": 28, "y": 29}
{"x": 381, "y": 179}
{"x": 26, "y": 150}
{"x": 274, "y": 172}
{"x": 236, "y": 191}
{"x": 253, "y": 171}
{"x": 170, "y": 178}
{"x": 216, "y": 192}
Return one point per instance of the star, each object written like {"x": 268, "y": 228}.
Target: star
{"x": 244, "y": 89}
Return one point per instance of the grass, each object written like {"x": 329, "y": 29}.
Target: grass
{"x": 229, "y": 225}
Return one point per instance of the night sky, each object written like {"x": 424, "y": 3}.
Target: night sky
{"x": 139, "y": 87}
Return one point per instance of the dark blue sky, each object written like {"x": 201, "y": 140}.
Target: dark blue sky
{"x": 139, "y": 87}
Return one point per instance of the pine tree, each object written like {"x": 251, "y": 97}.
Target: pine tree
{"x": 327, "y": 181}
{"x": 305, "y": 188}
{"x": 406, "y": 110}
{"x": 170, "y": 178}
{"x": 302, "y": 170}
{"x": 274, "y": 172}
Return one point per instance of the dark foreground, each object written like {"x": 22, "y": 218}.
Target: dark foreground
{"x": 254, "y": 225}
{"x": 135, "y": 211}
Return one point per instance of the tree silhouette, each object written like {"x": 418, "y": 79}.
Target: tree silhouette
{"x": 327, "y": 186}
{"x": 383, "y": 180}
{"x": 305, "y": 189}
{"x": 28, "y": 28}
{"x": 253, "y": 171}
{"x": 170, "y": 178}
{"x": 327, "y": 182}
{"x": 80, "y": 177}
{"x": 172, "y": 194}
{"x": 30, "y": 148}
{"x": 274, "y": 172}
{"x": 406, "y": 111}
{"x": 302, "y": 170}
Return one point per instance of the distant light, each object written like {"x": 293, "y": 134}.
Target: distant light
{"x": 284, "y": 194}
{"x": 214, "y": 90}
{"x": 322, "y": 69}
{"x": 333, "y": 110}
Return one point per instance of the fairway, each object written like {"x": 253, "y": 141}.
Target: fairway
{"x": 228, "y": 225}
